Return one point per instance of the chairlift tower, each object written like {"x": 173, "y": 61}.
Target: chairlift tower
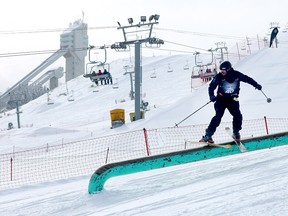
{"x": 130, "y": 72}
{"x": 149, "y": 40}
{"x": 248, "y": 44}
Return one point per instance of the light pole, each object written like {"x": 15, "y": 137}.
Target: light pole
{"x": 153, "y": 19}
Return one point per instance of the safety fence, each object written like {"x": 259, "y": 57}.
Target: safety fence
{"x": 56, "y": 162}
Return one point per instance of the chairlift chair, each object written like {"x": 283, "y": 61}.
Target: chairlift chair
{"x": 92, "y": 67}
{"x": 49, "y": 100}
{"x": 71, "y": 96}
{"x": 115, "y": 84}
{"x": 153, "y": 75}
{"x": 92, "y": 72}
{"x": 170, "y": 69}
{"x": 194, "y": 75}
{"x": 186, "y": 67}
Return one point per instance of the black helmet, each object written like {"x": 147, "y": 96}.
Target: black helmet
{"x": 226, "y": 65}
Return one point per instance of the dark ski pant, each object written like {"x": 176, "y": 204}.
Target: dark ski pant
{"x": 233, "y": 107}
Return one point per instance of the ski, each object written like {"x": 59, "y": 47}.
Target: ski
{"x": 240, "y": 145}
{"x": 210, "y": 144}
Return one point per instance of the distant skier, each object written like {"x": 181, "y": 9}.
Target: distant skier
{"x": 228, "y": 83}
{"x": 273, "y": 36}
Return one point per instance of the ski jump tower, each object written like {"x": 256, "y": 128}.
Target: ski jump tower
{"x": 73, "y": 46}
{"x": 75, "y": 41}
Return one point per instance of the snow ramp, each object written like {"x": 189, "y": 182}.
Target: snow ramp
{"x": 101, "y": 175}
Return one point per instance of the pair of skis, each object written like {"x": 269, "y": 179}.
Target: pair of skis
{"x": 229, "y": 132}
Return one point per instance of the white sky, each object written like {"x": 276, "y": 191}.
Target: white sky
{"x": 223, "y": 17}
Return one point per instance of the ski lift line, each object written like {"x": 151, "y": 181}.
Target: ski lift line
{"x": 15, "y": 54}
{"x": 170, "y": 50}
{"x": 52, "y": 30}
{"x": 190, "y": 52}
{"x": 26, "y": 54}
{"x": 112, "y": 27}
{"x": 181, "y": 51}
{"x": 202, "y": 34}
{"x": 40, "y": 52}
{"x": 185, "y": 45}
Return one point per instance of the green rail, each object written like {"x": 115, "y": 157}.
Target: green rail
{"x": 105, "y": 172}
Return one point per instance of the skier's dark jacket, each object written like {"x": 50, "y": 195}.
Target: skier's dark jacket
{"x": 229, "y": 84}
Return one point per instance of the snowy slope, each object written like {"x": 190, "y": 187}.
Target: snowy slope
{"x": 247, "y": 184}
{"x": 251, "y": 184}
{"x": 170, "y": 98}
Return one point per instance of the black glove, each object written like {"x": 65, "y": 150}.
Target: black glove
{"x": 258, "y": 86}
{"x": 213, "y": 98}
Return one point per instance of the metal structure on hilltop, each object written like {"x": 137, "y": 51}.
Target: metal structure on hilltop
{"x": 137, "y": 42}
{"x": 73, "y": 47}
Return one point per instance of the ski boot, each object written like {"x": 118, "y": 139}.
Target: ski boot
{"x": 236, "y": 136}
{"x": 207, "y": 139}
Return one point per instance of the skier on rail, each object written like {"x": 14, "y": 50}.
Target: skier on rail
{"x": 228, "y": 83}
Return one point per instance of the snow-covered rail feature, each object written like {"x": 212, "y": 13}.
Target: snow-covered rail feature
{"x": 107, "y": 171}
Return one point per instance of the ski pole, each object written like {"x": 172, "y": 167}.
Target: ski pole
{"x": 268, "y": 99}
{"x": 192, "y": 113}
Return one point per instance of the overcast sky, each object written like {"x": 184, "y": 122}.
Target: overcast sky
{"x": 186, "y": 19}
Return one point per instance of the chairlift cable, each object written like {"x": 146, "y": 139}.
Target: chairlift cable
{"x": 202, "y": 34}
{"x": 51, "y": 30}
{"x": 37, "y": 52}
{"x": 186, "y": 46}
